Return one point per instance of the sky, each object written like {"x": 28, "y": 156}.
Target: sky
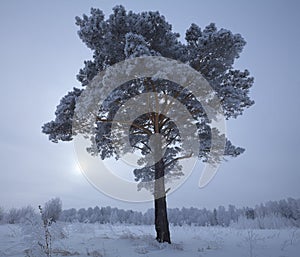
{"x": 41, "y": 54}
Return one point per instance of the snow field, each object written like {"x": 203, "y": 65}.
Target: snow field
{"x": 104, "y": 240}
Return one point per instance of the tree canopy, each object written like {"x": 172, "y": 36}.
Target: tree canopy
{"x": 124, "y": 35}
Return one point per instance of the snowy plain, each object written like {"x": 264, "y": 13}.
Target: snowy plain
{"x": 98, "y": 240}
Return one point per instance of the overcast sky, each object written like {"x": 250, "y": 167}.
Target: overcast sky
{"x": 41, "y": 54}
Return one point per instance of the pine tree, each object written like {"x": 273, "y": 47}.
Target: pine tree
{"x": 125, "y": 35}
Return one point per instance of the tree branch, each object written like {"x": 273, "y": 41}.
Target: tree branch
{"x": 178, "y": 158}
{"x": 147, "y": 131}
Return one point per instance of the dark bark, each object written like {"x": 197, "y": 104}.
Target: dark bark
{"x": 161, "y": 221}
{"x": 160, "y": 205}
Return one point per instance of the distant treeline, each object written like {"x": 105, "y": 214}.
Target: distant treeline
{"x": 273, "y": 214}
{"x": 283, "y": 211}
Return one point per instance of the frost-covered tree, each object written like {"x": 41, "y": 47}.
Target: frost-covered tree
{"x": 294, "y": 205}
{"x": 82, "y": 215}
{"x": 69, "y": 215}
{"x": 89, "y": 213}
{"x": 97, "y": 215}
{"x": 222, "y": 216}
{"x": 26, "y": 213}
{"x": 148, "y": 217}
{"x": 233, "y": 216}
{"x": 124, "y": 35}
{"x": 52, "y": 210}
{"x": 1, "y": 214}
{"x": 114, "y": 217}
{"x": 12, "y": 216}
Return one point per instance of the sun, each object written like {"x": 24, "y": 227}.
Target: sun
{"x": 76, "y": 169}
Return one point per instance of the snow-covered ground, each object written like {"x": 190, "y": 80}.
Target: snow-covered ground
{"x": 98, "y": 240}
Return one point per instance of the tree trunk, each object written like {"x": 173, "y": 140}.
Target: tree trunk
{"x": 161, "y": 221}
{"x": 160, "y": 205}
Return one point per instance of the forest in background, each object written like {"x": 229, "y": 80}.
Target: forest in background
{"x": 270, "y": 215}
